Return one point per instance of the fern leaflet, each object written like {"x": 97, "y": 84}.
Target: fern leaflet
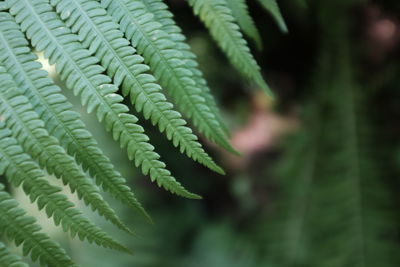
{"x": 273, "y": 8}
{"x": 240, "y": 12}
{"x": 218, "y": 18}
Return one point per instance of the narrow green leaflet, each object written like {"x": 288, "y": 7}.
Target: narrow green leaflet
{"x": 241, "y": 13}
{"x": 219, "y": 20}
{"x": 273, "y": 8}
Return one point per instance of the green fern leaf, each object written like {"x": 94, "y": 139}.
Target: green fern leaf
{"x": 8, "y": 259}
{"x": 240, "y": 12}
{"x": 24, "y": 230}
{"x": 273, "y": 8}
{"x": 99, "y": 32}
{"x": 20, "y": 169}
{"x": 218, "y": 18}
{"x": 55, "y": 111}
{"x": 167, "y": 65}
{"x": 163, "y": 16}
{"x": 29, "y": 130}
{"x": 82, "y": 74}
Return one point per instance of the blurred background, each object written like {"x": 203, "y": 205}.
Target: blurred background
{"x": 317, "y": 182}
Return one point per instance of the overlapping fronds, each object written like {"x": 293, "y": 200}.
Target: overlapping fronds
{"x": 29, "y": 130}
{"x": 218, "y": 18}
{"x": 81, "y": 74}
{"x": 21, "y": 170}
{"x": 240, "y": 12}
{"x": 167, "y": 64}
{"x": 163, "y": 16}
{"x": 24, "y": 231}
{"x": 99, "y": 33}
{"x": 54, "y": 109}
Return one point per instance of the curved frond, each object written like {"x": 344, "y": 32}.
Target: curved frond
{"x": 29, "y": 130}
{"x": 9, "y": 259}
{"x": 99, "y": 33}
{"x": 219, "y": 20}
{"x": 163, "y": 16}
{"x": 273, "y": 8}
{"x": 82, "y": 74}
{"x": 240, "y": 12}
{"x": 55, "y": 110}
{"x": 24, "y": 230}
{"x": 167, "y": 64}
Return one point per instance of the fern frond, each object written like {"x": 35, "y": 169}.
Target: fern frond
{"x": 273, "y": 8}
{"x": 167, "y": 65}
{"x": 8, "y": 259}
{"x": 240, "y": 12}
{"x": 55, "y": 110}
{"x": 82, "y": 74}
{"x": 24, "y": 230}
{"x": 163, "y": 16}
{"x": 101, "y": 34}
{"x": 20, "y": 169}
{"x": 29, "y": 130}
{"x": 219, "y": 20}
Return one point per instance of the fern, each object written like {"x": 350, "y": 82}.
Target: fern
{"x": 56, "y": 112}
{"x": 21, "y": 170}
{"x": 23, "y": 230}
{"x": 240, "y": 12}
{"x": 218, "y": 18}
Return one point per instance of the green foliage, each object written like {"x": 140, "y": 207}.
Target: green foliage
{"x": 218, "y": 18}
{"x": 99, "y": 48}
